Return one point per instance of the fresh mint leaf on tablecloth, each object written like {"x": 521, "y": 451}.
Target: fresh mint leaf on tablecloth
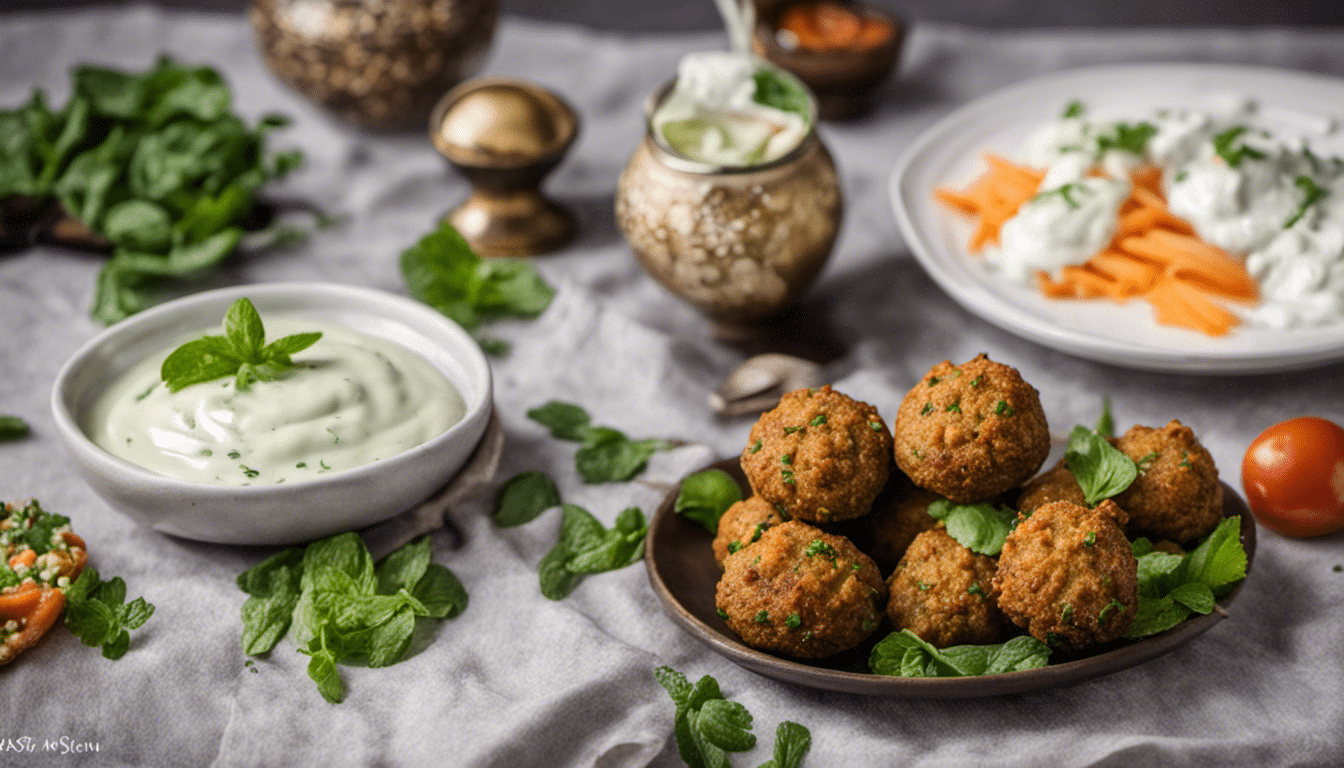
{"x": 981, "y": 527}
{"x": 12, "y": 427}
{"x": 343, "y": 604}
{"x": 241, "y": 352}
{"x": 523, "y": 497}
{"x": 97, "y": 612}
{"x": 565, "y": 420}
{"x": 586, "y": 546}
{"x": 444, "y": 272}
{"x": 705, "y": 496}
{"x": 1101, "y": 470}
{"x": 607, "y": 455}
{"x": 904, "y": 654}
{"x": 708, "y": 726}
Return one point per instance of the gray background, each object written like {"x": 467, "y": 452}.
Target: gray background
{"x": 682, "y": 15}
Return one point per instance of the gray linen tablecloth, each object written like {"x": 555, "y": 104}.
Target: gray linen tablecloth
{"x": 519, "y": 680}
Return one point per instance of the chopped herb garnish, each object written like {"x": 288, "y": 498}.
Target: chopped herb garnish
{"x": 756, "y": 534}
{"x": 1065, "y": 192}
{"x": 876, "y": 425}
{"x": 934, "y": 380}
{"x": 819, "y": 420}
{"x": 807, "y": 635}
{"x": 1223, "y": 145}
{"x": 762, "y": 617}
{"x": 819, "y": 547}
{"x": 12, "y": 427}
{"x": 1181, "y": 176}
{"x": 1311, "y": 195}
{"x": 787, "y": 475}
{"x": 1090, "y": 540}
{"x": 755, "y": 447}
{"x": 1146, "y": 461}
{"x": 976, "y": 381}
{"x": 235, "y": 455}
{"x": 146, "y": 393}
{"x": 791, "y": 430}
{"x": 1127, "y": 137}
{"x": 793, "y": 621}
{"x": 248, "y": 471}
{"x": 1066, "y": 615}
{"x": 954, "y": 407}
{"x": 786, "y": 459}
{"x": 1185, "y": 460}
{"x": 1075, "y": 108}
{"x": 322, "y": 463}
{"x": 923, "y": 585}
{"x": 734, "y": 546}
{"x": 976, "y": 589}
{"x": 1003, "y": 409}
{"x": 1101, "y": 617}
{"x": 926, "y": 410}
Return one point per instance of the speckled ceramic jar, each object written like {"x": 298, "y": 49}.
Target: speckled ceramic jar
{"x": 740, "y": 243}
{"x": 379, "y": 64}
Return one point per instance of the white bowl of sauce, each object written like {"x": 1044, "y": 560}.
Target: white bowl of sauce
{"x": 376, "y": 416}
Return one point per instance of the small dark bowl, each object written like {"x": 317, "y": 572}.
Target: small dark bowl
{"x": 844, "y": 81}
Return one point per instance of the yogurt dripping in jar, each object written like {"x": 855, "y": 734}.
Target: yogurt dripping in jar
{"x": 732, "y": 108}
{"x": 351, "y": 400}
{"x": 1260, "y": 196}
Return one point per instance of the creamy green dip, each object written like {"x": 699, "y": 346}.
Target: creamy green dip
{"x": 353, "y": 399}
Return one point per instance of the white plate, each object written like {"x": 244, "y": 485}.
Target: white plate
{"x": 950, "y": 153}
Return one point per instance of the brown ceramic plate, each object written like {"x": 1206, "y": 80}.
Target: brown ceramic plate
{"x": 683, "y": 572}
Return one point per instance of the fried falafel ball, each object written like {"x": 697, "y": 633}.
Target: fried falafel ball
{"x": 1057, "y": 484}
{"x": 802, "y": 592}
{"x": 1177, "y": 495}
{"x": 742, "y": 524}
{"x": 1068, "y": 576}
{"x": 821, "y": 455}
{"x": 972, "y": 431}
{"x": 941, "y": 592}
{"x": 900, "y": 514}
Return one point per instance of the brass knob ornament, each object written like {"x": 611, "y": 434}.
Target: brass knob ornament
{"x": 506, "y": 136}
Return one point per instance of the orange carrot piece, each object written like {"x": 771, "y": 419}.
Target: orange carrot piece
{"x": 1176, "y": 303}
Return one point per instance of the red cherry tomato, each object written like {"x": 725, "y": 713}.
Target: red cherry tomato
{"x": 1293, "y": 475}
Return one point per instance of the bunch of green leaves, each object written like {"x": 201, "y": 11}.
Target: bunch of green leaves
{"x": 980, "y": 527}
{"x": 781, "y": 91}
{"x": 606, "y": 455}
{"x": 705, "y": 496}
{"x": 1172, "y": 587}
{"x": 156, "y": 162}
{"x": 444, "y": 272}
{"x": 586, "y": 546}
{"x": 97, "y": 612}
{"x": 708, "y": 726}
{"x": 345, "y": 607}
{"x": 12, "y": 427}
{"x": 904, "y": 654}
{"x": 242, "y": 352}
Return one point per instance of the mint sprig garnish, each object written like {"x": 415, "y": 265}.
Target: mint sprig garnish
{"x": 904, "y": 654}
{"x": 343, "y": 605}
{"x": 981, "y": 527}
{"x": 242, "y": 352}
{"x": 524, "y": 497}
{"x": 97, "y": 612}
{"x": 1172, "y": 587}
{"x": 1102, "y": 471}
{"x": 708, "y": 726}
{"x": 586, "y": 546}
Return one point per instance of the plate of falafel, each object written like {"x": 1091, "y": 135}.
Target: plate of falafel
{"x": 934, "y": 558}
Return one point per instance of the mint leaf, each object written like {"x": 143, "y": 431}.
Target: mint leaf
{"x": 12, "y": 427}
{"x": 904, "y": 654}
{"x": 705, "y": 496}
{"x": 1105, "y": 423}
{"x": 981, "y": 527}
{"x": 1171, "y": 587}
{"x": 1219, "y": 561}
{"x": 523, "y": 497}
{"x": 726, "y": 725}
{"x": 1101, "y": 470}
{"x": 273, "y": 586}
{"x": 585, "y": 546}
{"x": 440, "y": 592}
{"x": 565, "y": 420}
{"x": 322, "y": 670}
{"x": 1195, "y": 596}
{"x": 608, "y": 456}
{"x": 442, "y": 271}
{"x": 792, "y": 741}
{"x": 97, "y": 613}
{"x": 242, "y": 352}
{"x": 403, "y": 568}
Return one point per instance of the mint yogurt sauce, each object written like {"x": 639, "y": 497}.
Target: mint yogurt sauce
{"x": 353, "y": 399}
